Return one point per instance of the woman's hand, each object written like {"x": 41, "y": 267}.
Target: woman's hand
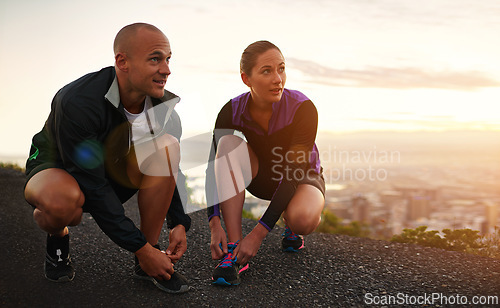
{"x": 218, "y": 239}
{"x": 248, "y": 247}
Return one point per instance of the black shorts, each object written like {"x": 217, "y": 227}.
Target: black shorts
{"x": 39, "y": 160}
{"x": 265, "y": 183}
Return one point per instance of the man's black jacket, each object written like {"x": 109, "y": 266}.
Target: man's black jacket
{"x": 88, "y": 134}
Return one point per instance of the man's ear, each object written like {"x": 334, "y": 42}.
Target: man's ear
{"x": 121, "y": 62}
{"x": 244, "y": 78}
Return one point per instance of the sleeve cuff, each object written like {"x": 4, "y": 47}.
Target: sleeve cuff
{"x": 216, "y": 212}
{"x": 212, "y": 216}
{"x": 185, "y": 221}
{"x": 265, "y": 226}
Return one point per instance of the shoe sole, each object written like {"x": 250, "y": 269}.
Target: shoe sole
{"x": 183, "y": 289}
{"x": 291, "y": 249}
{"x": 222, "y": 282}
{"x": 60, "y": 279}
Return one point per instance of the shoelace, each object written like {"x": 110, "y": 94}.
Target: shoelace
{"x": 227, "y": 260}
{"x": 289, "y": 235}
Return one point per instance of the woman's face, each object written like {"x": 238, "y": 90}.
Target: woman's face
{"x": 268, "y": 77}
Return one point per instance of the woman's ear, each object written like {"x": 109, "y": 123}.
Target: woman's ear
{"x": 245, "y": 79}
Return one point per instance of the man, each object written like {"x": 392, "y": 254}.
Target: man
{"x": 110, "y": 134}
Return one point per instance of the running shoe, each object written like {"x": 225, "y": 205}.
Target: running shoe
{"x": 227, "y": 272}
{"x": 291, "y": 242}
{"x": 176, "y": 284}
{"x": 58, "y": 267}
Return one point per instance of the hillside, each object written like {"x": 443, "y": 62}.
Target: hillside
{"x": 332, "y": 271}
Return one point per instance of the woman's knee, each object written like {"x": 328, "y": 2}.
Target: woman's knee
{"x": 303, "y": 213}
{"x": 233, "y": 165}
{"x": 230, "y": 144}
{"x": 303, "y": 224}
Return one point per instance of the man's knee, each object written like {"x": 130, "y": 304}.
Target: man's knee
{"x": 59, "y": 205}
{"x": 169, "y": 147}
{"x": 159, "y": 157}
{"x": 63, "y": 202}
{"x": 53, "y": 188}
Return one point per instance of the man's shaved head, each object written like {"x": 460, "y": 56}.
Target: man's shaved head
{"x": 126, "y": 35}
{"x": 142, "y": 55}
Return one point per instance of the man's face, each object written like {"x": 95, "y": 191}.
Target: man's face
{"x": 148, "y": 63}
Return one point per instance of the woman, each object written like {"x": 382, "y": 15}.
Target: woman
{"x": 275, "y": 160}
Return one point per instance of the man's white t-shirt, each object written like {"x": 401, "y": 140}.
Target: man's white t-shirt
{"x": 139, "y": 121}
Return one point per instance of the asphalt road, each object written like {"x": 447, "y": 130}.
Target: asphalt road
{"x": 333, "y": 270}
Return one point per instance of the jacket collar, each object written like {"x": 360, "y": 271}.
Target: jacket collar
{"x": 113, "y": 96}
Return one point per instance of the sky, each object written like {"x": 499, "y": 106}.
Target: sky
{"x": 388, "y": 65}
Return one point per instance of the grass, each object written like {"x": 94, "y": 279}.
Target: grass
{"x": 11, "y": 166}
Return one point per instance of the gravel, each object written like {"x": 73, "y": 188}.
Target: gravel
{"x": 332, "y": 271}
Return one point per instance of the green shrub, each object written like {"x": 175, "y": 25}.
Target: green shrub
{"x": 464, "y": 240}
{"x": 330, "y": 223}
{"x": 421, "y": 237}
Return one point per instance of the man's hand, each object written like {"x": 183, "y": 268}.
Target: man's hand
{"x": 248, "y": 247}
{"x": 177, "y": 243}
{"x": 218, "y": 236}
{"x": 154, "y": 262}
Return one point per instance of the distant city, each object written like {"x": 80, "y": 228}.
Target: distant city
{"x": 394, "y": 181}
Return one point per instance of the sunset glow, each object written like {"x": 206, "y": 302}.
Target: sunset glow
{"x": 367, "y": 65}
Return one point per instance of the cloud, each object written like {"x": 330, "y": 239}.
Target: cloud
{"x": 439, "y": 123}
{"x": 394, "y": 78}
